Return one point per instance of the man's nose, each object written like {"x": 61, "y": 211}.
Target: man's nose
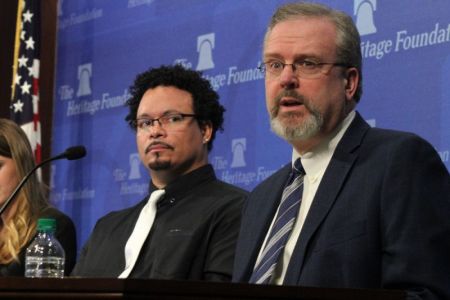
{"x": 156, "y": 130}
{"x": 288, "y": 78}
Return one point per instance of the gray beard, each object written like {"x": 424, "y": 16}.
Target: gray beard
{"x": 300, "y": 131}
{"x": 291, "y": 129}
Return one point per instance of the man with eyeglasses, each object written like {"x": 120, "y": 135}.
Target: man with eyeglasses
{"x": 187, "y": 227}
{"x": 358, "y": 207}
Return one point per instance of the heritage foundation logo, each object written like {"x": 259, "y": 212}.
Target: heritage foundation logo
{"x": 84, "y": 80}
{"x": 403, "y": 40}
{"x": 135, "y": 162}
{"x": 363, "y": 10}
{"x": 238, "y": 147}
{"x": 131, "y": 184}
{"x": 233, "y": 76}
{"x": 205, "y": 46}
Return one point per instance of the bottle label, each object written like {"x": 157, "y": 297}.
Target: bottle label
{"x": 44, "y": 267}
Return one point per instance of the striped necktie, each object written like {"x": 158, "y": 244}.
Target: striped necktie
{"x": 140, "y": 232}
{"x": 282, "y": 226}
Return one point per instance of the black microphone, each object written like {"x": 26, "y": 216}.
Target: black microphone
{"x": 71, "y": 153}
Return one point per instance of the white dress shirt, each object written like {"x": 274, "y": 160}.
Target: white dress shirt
{"x": 315, "y": 164}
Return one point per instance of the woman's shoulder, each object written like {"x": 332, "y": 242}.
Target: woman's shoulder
{"x": 54, "y": 213}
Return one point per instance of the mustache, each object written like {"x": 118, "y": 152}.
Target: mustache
{"x": 291, "y": 94}
{"x": 156, "y": 143}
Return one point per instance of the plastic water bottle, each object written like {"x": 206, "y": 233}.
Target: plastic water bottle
{"x": 45, "y": 256}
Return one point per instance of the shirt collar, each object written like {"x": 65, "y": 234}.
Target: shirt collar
{"x": 181, "y": 186}
{"x": 318, "y": 159}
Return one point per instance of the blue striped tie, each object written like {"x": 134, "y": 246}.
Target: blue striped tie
{"x": 282, "y": 227}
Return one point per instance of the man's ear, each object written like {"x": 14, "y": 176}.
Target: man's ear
{"x": 206, "y": 129}
{"x": 351, "y": 82}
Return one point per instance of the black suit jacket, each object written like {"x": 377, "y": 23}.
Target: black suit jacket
{"x": 380, "y": 218}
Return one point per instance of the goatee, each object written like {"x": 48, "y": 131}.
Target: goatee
{"x": 158, "y": 164}
{"x": 295, "y": 126}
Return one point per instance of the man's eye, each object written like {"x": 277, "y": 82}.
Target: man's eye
{"x": 143, "y": 123}
{"x": 174, "y": 118}
{"x": 306, "y": 64}
{"x": 275, "y": 65}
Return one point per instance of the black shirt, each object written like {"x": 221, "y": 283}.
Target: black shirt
{"x": 193, "y": 235}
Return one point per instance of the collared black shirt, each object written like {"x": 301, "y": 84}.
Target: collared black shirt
{"x": 193, "y": 236}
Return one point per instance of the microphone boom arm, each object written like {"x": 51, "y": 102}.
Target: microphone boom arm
{"x": 70, "y": 153}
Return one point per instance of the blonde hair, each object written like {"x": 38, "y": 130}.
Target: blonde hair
{"x": 18, "y": 230}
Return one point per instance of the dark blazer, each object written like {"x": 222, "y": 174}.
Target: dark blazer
{"x": 380, "y": 218}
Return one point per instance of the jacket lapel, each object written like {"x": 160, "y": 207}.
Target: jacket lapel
{"x": 258, "y": 215}
{"x": 332, "y": 181}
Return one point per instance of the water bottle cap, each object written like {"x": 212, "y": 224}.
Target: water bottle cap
{"x": 46, "y": 224}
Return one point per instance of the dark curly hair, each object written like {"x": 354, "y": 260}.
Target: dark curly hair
{"x": 206, "y": 103}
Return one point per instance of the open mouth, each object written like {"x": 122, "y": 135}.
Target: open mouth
{"x": 290, "y": 102}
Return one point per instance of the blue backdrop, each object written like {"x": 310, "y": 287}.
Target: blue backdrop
{"x": 103, "y": 45}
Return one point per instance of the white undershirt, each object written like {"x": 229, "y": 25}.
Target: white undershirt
{"x": 315, "y": 163}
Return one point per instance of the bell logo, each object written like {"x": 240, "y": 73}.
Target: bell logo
{"x": 135, "y": 173}
{"x": 84, "y": 80}
{"x": 363, "y": 10}
{"x": 205, "y": 45}
{"x": 238, "y": 147}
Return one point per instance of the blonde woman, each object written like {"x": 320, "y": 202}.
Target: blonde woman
{"x": 18, "y": 222}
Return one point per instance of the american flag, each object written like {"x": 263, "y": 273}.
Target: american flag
{"x": 25, "y": 85}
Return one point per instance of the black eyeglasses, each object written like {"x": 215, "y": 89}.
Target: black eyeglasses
{"x": 302, "y": 68}
{"x": 168, "y": 122}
